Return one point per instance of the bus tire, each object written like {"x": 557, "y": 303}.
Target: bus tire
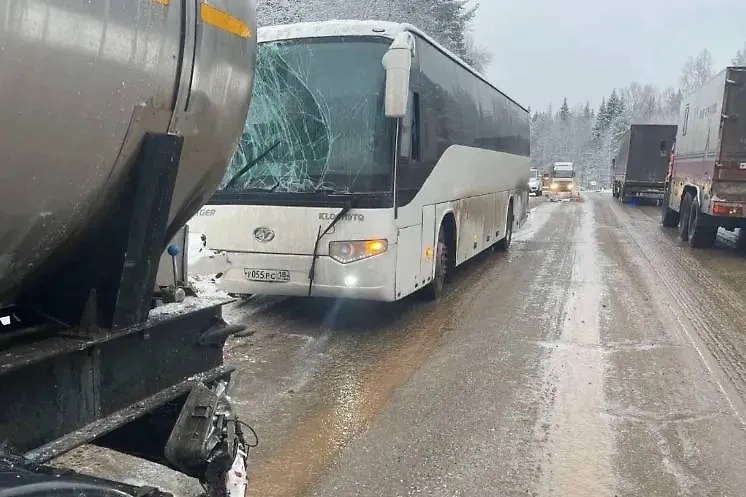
{"x": 741, "y": 240}
{"x": 504, "y": 244}
{"x": 434, "y": 290}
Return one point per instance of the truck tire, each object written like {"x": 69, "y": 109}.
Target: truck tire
{"x": 669, "y": 217}
{"x": 702, "y": 233}
{"x": 434, "y": 290}
{"x": 741, "y": 240}
{"x": 504, "y": 244}
{"x": 684, "y": 212}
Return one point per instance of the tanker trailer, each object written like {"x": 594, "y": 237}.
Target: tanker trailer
{"x": 117, "y": 121}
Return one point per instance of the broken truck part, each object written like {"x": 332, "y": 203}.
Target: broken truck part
{"x": 120, "y": 133}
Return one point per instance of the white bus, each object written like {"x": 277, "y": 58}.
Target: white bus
{"x": 373, "y": 162}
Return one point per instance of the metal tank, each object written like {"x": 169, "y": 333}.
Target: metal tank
{"x": 81, "y": 82}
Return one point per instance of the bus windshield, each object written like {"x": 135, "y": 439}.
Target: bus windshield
{"x": 316, "y": 121}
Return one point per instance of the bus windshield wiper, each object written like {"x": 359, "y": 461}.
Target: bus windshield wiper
{"x": 312, "y": 272}
{"x": 251, "y": 164}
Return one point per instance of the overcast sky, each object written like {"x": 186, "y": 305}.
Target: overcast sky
{"x": 545, "y": 50}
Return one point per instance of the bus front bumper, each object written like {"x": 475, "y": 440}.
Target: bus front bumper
{"x": 368, "y": 279}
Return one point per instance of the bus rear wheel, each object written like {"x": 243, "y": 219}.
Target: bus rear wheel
{"x": 434, "y": 290}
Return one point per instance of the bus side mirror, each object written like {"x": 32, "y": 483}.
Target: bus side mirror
{"x": 398, "y": 64}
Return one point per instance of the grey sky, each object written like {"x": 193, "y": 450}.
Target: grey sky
{"x": 547, "y": 49}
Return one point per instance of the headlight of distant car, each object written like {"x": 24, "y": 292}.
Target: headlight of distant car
{"x": 351, "y": 251}
{"x": 570, "y": 185}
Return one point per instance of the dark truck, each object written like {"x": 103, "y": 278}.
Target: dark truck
{"x": 706, "y": 185}
{"x": 641, "y": 164}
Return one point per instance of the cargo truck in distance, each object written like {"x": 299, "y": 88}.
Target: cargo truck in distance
{"x": 641, "y": 164}
{"x": 706, "y": 184}
{"x": 562, "y": 184}
{"x": 118, "y": 122}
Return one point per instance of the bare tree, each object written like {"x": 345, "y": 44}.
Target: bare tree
{"x": 697, "y": 70}
{"x": 479, "y": 57}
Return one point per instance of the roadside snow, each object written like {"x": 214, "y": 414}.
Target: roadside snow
{"x": 206, "y": 285}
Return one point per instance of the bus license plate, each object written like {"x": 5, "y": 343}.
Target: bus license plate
{"x": 267, "y": 275}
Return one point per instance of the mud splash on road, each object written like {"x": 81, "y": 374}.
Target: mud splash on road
{"x": 307, "y": 453}
{"x": 578, "y": 440}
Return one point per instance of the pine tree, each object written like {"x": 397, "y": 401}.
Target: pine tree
{"x": 740, "y": 58}
{"x": 602, "y": 119}
{"x": 564, "y": 112}
{"x": 587, "y": 112}
{"x": 453, "y": 18}
{"x": 613, "y": 106}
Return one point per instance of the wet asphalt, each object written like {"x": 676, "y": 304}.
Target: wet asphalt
{"x": 599, "y": 356}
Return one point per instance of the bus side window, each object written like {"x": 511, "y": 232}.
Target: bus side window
{"x": 416, "y": 126}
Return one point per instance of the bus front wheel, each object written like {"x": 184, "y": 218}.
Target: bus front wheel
{"x": 504, "y": 244}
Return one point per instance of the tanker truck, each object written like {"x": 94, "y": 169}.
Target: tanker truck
{"x": 117, "y": 122}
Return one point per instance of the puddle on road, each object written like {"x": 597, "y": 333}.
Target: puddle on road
{"x": 579, "y": 443}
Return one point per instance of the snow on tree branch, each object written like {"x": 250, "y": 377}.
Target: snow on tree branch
{"x": 448, "y": 21}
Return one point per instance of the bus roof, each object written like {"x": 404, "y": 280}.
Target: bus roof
{"x": 342, "y": 27}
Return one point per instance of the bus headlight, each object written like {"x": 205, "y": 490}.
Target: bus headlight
{"x": 352, "y": 251}
{"x": 554, "y": 186}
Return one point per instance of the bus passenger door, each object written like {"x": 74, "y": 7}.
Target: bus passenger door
{"x": 427, "y": 246}
{"x": 408, "y": 260}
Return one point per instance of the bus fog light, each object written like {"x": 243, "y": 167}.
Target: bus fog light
{"x": 352, "y": 251}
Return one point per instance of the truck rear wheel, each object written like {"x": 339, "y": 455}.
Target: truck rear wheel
{"x": 669, "y": 217}
{"x": 684, "y": 212}
{"x": 702, "y": 233}
{"x": 741, "y": 240}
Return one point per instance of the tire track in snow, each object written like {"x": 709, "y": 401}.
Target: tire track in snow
{"x": 578, "y": 440}
{"x": 709, "y": 316}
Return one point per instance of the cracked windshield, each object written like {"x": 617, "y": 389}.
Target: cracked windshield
{"x": 313, "y": 124}
{"x": 373, "y": 248}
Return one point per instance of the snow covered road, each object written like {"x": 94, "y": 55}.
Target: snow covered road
{"x": 599, "y": 356}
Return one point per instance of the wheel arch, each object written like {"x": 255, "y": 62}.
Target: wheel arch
{"x": 694, "y": 189}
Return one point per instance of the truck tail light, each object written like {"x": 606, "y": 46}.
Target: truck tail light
{"x": 723, "y": 209}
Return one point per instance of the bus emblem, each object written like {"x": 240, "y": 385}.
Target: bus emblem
{"x": 264, "y": 234}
